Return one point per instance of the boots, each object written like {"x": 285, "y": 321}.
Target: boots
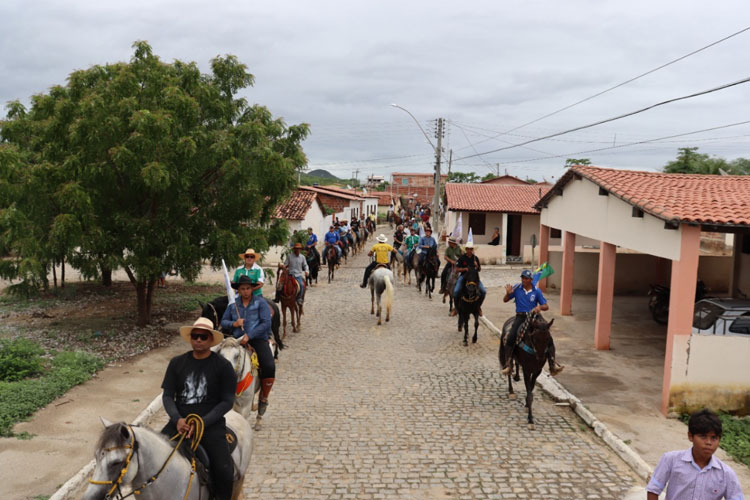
{"x": 554, "y": 367}
{"x": 508, "y": 360}
{"x": 277, "y": 297}
{"x": 265, "y": 390}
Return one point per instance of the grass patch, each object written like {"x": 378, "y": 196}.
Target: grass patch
{"x": 21, "y": 398}
{"x": 187, "y": 301}
{"x": 735, "y": 439}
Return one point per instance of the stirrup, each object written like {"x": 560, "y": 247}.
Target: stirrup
{"x": 556, "y": 369}
{"x": 507, "y": 369}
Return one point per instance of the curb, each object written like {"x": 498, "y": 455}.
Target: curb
{"x": 74, "y": 484}
{"x": 561, "y": 395}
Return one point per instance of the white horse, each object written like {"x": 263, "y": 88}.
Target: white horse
{"x": 381, "y": 280}
{"x": 131, "y": 458}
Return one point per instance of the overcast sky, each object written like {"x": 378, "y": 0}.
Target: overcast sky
{"x": 486, "y": 67}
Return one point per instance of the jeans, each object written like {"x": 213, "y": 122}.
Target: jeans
{"x": 301, "y": 293}
{"x": 460, "y": 284}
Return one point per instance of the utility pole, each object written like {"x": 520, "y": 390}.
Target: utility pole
{"x": 356, "y": 175}
{"x": 436, "y": 199}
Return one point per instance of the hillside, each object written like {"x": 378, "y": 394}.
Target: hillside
{"x": 325, "y": 174}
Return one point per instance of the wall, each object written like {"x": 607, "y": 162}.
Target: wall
{"x": 744, "y": 282}
{"x": 529, "y": 226}
{"x": 490, "y": 254}
{"x": 634, "y": 272}
{"x": 698, "y": 380}
{"x": 583, "y": 211}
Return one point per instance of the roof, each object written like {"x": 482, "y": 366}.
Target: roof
{"x": 511, "y": 198}
{"x": 383, "y": 197}
{"x": 505, "y": 179}
{"x": 417, "y": 174}
{"x": 722, "y": 200}
{"x": 297, "y": 206}
{"x": 339, "y": 193}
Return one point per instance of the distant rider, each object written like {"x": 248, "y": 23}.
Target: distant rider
{"x": 452, "y": 253}
{"x": 382, "y": 252}
{"x": 332, "y": 238}
{"x": 464, "y": 263}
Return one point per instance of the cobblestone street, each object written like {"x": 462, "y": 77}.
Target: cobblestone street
{"x": 404, "y": 410}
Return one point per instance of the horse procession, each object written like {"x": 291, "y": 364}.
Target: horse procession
{"x": 213, "y": 392}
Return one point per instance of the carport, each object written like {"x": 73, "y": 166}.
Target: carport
{"x": 661, "y": 215}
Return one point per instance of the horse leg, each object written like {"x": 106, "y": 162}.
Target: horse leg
{"x": 476, "y": 327}
{"x": 283, "y": 314}
{"x": 530, "y": 381}
{"x": 372, "y": 300}
{"x": 466, "y": 328}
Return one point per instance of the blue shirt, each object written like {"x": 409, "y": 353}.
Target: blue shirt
{"x": 257, "y": 316}
{"x": 312, "y": 240}
{"x": 332, "y": 237}
{"x": 427, "y": 241}
{"x": 526, "y": 301}
{"x": 683, "y": 478}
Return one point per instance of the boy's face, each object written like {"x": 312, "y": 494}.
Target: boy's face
{"x": 704, "y": 445}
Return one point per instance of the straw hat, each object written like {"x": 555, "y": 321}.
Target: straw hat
{"x": 248, "y": 251}
{"x": 381, "y": 238}
{"x": 469, "y": 244}
{"x": 451, "y": 239}
{"x": 202, "y": 324}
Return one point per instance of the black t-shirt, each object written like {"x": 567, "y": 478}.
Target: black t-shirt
{"x": 398, "y": 238}
{"x": 468, "y": 262}
{"x": 198, "y": 384}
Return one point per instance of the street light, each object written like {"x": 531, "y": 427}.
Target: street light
{"x": 436, "y": 198}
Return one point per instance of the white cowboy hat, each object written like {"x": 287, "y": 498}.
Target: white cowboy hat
{"x": 451, "y": 239}
{"x": 381, "y": 238}
{"x": 202, "y": 324}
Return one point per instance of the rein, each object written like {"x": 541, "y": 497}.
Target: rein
{"x": 528, "y": 331}
{"x": 216, "y": 315}
{"x": 133, "y": 446}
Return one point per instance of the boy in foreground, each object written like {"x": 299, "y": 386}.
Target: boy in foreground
{"x": 696, "y": 473}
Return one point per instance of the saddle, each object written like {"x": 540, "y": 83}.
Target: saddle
{"x": 382, "y": 265}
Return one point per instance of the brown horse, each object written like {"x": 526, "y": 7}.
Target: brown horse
{"x": 450, "y": 284}
{"x": 289, "y": 288}
{"x": 331, "y": 259}
{"x": 531, "y": 354}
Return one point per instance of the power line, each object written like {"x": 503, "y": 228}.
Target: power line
{"x": 626, "y": 81}
{"x": 628, "y": 144}
{"x": 618, "y": 117}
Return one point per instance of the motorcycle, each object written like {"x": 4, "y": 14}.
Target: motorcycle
{"x": 658, "y": 302}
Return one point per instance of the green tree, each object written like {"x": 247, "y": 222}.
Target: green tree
{"x": 577, "y": 161}
{"x": 489, "y": 177}
{"x": 689, "y": 161}
{"x": 159, "y": 167}
{"x": 463, "y": 177}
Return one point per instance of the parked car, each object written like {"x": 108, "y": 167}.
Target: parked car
{"x": 722, "y": 317}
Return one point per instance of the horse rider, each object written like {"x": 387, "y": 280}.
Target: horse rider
{"x": 250, "y": 321}
{"x": 398, "y": 237}
{"x": 414, "y": 226}
{"x": 252, "y": 270}
{"x": 425, "y": 243}
{"x": 412, "y": 241}
{"x": 528, "y": 298}
{"x": 382, "y": 252}
{"x": 296, "y": 265}
{"x": 203, "y": 382}
{"x": 312, "y": 241}
{"x": 332, "y": 238}
{"x": 464, "y": 263}
{"x": 452, "y": 253}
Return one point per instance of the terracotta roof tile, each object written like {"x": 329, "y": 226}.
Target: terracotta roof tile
{"x": 340, "y": 193}
{"x": 515, "y": 198}
{"x": 705, "y": 199}
{"x": 297, "y": 206}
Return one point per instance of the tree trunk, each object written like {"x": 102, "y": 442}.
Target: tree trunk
{"x": 62, "y": 272}
{"x": 54, "y": 274}
{"x": 144, "y": 294}
{"x": 106, "y": 275}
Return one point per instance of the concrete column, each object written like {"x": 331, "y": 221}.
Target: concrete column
{"x": 734, "y": 277}
{"x": 543, "y": 252}
{"x": 605, "y": 295}
{"x": 566, "y": 285}
{"x": 503, "y": 237}
{"x": 681, "y": 304}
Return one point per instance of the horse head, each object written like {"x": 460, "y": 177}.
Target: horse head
{"x": 116, "y": 461}
{"x": 471, "y": 284}
{"x": 539, "y": 334}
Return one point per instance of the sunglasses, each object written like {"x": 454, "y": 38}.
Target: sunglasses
{"x": 249, "y": 256}
{"x": 200, "y": 336}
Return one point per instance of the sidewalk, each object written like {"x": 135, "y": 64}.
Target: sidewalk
{"x": 622, "y": 386}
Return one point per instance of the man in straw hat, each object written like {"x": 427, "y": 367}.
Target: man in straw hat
{"x": 250, "y": 322}
{"x": 202, "y": 382}
{"x": 296, "y": 265}
{"x": 252, "y": 270}
{"x": 465, "y": 262}
{"x": 452, "y": 253}
{"x": 382, "y": 252}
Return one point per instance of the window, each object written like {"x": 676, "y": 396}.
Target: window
{"x": 555, "y": 233}
{"x": 405, "y": 181}
{"x": 477, "y": 223}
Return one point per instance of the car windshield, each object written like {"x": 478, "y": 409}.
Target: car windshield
{"x": 705, "y": 315}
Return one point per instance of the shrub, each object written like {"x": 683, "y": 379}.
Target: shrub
{"x": 19, "y": 359}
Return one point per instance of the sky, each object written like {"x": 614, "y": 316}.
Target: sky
{"x": 485, "y": 67}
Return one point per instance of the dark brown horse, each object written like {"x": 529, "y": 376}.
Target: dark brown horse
{"x": 289, "y": 288}
{"x": 468, "y": 305}
{"x": 530, "y": 354}
{"x": 332, "y": 259}
{"x": 428, "y": 271}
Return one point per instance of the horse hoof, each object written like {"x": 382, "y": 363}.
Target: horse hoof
{"x": 511, "y": 396}
{"x": 257, "y": 426}
{"x": 466, "y": 343}
{"x": 531, "y": 427}
{"x": 473, "y": 340}
{"x": 516, "y": 378}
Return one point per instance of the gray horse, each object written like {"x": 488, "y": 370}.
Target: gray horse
{"x": 381, "y": 280}
{"x": 128, "y": 457}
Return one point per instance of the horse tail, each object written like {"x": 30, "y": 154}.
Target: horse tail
{"x": 388, "y": 292}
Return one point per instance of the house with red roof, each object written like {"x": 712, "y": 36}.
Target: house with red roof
{"x": 644, "y": 227}
{"x": 507, "y": 207}
{"x": 415, "y": 187}
{"x": 304, "y": 209}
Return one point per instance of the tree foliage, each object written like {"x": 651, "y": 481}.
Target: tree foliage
{"x": 145, "y": 165}
{"x": 463, "y": 177}
{"x": 577, "y": 161}
{"x": 689, "y": 161}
